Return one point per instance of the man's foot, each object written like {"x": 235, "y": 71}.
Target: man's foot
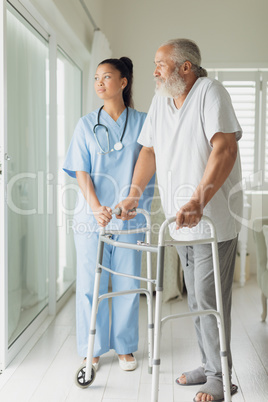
{"x": 200, "y": 397}
{"x": 217, "y": 396}
{"x": 127, "y": 362}
{"x": 194, "y": 377}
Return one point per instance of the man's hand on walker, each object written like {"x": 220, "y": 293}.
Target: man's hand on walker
{"x": 127, "y": 206}
{"x": 189, "y": 215}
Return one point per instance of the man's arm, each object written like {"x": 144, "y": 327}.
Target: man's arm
{"x": 219, "y": 166}
{"x": 143, "y": 172}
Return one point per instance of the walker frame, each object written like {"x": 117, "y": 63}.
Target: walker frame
{"x": 86, "y": 373}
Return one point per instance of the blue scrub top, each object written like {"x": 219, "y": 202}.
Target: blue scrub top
{"x": 111, "y": 173}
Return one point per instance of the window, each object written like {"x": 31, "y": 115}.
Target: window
{"x": 248, "y": 91}
{"x": 265, "y": 94}
{"x": 40, "y": 104}
{"x": 69, "y": 106}
{"x": 27, "y": 54}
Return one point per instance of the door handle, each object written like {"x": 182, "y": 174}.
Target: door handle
{"x": 7, "y": 158}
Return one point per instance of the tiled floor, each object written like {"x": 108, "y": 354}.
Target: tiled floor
{"x": 46, "y": 373}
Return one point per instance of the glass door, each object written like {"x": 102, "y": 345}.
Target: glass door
{"x": 69, "y": 107}
{"x": 40, "y": 104}
{"x": 3, "y": 206}
{"x": 27, "y": 144}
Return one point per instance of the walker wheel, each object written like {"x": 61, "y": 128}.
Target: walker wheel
{"x": 80, "y": 379}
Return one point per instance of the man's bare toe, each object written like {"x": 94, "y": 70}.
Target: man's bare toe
{"x": 182, "y": 379}
{"x": 202, "y": 397}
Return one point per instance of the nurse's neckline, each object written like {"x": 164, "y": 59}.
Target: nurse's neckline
{"x": 115, "y": 115}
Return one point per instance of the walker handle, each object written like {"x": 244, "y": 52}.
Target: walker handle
{"x": 168, "y": 221}
{"x": 118, "y": 210}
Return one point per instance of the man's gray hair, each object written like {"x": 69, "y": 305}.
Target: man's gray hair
{"x": 186, "y": 49}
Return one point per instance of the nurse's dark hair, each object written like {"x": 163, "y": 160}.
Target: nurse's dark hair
{"x": 125, "y": 66}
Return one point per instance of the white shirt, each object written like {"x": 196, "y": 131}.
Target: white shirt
{"x": 181, "y": 141}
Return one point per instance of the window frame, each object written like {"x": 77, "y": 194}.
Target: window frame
{"x": 77, "y": 52}
{"x": 257, "y": 181}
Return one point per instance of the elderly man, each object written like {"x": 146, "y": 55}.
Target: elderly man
{"x": 190, "y": 139}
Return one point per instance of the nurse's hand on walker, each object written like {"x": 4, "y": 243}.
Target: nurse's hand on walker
{"x": 189, "y": 215}
{"x": 127, "y": 206}
{"x": 103, "y": 215}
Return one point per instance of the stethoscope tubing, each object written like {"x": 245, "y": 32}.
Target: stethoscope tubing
{"x": 118, "y": 144}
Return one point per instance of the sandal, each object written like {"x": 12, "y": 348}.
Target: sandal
{"x": 234, "y": 389}
{"x": 194, "y": 377}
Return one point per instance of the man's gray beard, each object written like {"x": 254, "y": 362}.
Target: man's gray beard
{"x": 173, "y": 87}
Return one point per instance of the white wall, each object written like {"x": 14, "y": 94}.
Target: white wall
{"x": 229, "y": 31}
{"x": 69, "y": 19}
{"x": 73, "y": 28}
{"x": 76, "y": 17}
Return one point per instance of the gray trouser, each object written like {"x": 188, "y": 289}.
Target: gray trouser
{"x": 199, "y": 281}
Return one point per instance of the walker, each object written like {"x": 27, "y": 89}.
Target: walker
{"x": 218, "y": 313}
{"x": 86, "y": 373}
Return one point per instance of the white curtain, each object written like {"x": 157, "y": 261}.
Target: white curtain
{"x": 100, "y": 51}
{"x": 27, "y": 54}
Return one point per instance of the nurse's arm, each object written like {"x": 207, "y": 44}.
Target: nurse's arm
{"x": 219, "y": 166}
{"x": 144, "y": 170}
{"x": 101, "y": 213}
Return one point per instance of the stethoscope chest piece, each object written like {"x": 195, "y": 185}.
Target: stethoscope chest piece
{"x": 118, "y": 146}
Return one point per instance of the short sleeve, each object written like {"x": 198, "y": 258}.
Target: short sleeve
{"x": 78, "y": 156}
{"x": 219, "y": 114}
{"x": 146, "y": 135}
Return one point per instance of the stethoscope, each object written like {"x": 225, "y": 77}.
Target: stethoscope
{"x": 118, "y": 146}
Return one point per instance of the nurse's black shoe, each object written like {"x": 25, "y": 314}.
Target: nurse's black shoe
{"x": 127, "y": 365}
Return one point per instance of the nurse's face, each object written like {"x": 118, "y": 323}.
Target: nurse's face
{"x": 108, "y": 82}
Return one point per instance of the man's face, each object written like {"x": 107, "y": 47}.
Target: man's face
{"x": 169, "y": 82}
{"x": 164, "y": 65}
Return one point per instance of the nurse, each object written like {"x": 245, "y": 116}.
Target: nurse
{"x": 102, "y": 156}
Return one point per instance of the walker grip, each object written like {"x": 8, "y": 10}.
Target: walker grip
{"x": 118, "y": 211}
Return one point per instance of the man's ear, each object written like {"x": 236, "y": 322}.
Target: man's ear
{"x": 187, "y": 65}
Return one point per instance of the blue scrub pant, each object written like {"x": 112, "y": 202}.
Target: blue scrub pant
{"x": 123, "y": 335}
